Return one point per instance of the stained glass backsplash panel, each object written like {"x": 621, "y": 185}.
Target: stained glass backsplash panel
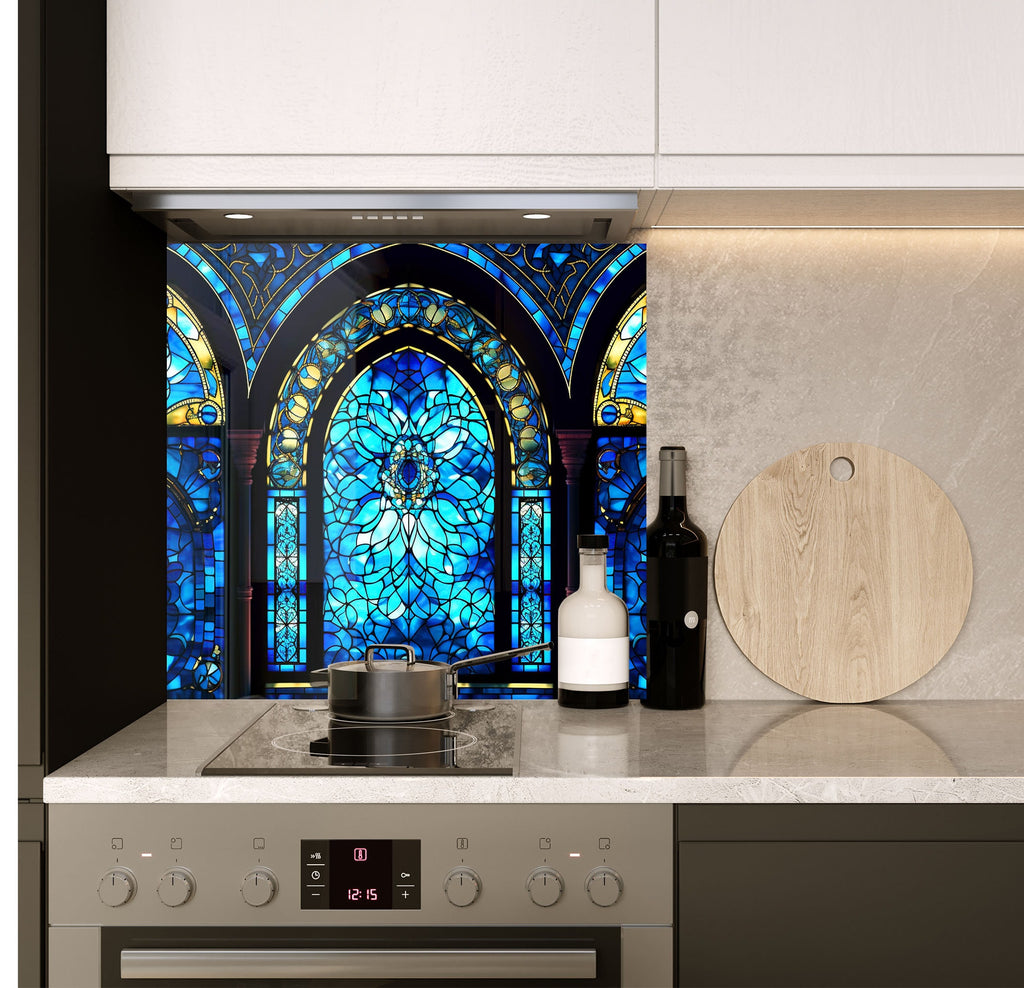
{"x": 396, "y": 443}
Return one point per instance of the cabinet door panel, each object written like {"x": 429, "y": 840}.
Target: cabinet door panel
{"x": 842, "y": 914}
{"x": 869, "y": 78}
{"x": 388, "y": 77}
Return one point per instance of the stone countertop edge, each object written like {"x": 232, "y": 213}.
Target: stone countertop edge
{"x": 398, "y": 790}
{"x": 790, "y": 751}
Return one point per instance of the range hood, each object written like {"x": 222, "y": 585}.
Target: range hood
{"x": 595, "y": 217}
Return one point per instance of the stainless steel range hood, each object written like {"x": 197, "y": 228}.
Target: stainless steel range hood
{"x": 392, "y": 216}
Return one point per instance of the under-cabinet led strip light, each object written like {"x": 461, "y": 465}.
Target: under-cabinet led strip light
{"x": 845, "y": 202}
{"x": 834, "y": 226}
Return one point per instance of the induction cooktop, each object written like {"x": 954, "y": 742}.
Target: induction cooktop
{"x": 296, "y": 737}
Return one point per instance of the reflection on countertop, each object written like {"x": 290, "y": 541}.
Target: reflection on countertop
{"x": 798, "y": 738}
{"x": 729, "y": 751}
{"x": 842, "y": 740}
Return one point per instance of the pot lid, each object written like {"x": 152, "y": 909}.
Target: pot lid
{"x": 388, "y": 665}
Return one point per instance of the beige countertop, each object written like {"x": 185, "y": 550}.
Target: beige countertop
{"x": 934, "y": 751}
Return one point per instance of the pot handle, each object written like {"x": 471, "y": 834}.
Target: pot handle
{"x": 320, "y": 675}
{"x": 410, "y": 655}
{"x": 511, "y": 654}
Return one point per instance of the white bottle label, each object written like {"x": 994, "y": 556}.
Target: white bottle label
{"x": 591, "y": 664}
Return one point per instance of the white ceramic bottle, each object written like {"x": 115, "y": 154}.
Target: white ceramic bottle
{"x": 593, "y": 636}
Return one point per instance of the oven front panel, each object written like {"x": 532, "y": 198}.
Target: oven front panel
{"x": 359, "y": 957}
{"x": 274, "y": 865}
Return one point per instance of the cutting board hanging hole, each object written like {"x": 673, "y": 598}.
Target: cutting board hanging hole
{"x": 841, "y": 468}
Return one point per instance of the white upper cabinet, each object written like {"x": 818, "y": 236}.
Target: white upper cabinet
{"x": 381, "y": 78}
{"x": 835, "y": 77}
{"x": 565, "y": 94}
{"x": 744, "y": 81}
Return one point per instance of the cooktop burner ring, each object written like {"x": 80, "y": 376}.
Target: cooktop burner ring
{"x": 300, "y": 741}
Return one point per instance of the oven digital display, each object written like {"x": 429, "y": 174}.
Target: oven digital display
{"x": 360, "y": 874}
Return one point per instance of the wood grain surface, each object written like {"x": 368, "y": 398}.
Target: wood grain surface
{"x": 843, "y": 590}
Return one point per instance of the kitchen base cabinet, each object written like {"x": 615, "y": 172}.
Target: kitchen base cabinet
{"x": 850, "y": 896}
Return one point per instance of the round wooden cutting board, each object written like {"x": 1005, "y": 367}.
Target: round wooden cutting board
{"x": 843, "y": 590}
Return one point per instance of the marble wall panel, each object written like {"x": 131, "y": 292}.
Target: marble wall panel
{"x": 766, "y": 341}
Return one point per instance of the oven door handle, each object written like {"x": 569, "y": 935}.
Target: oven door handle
{"x": 450, "y": 965}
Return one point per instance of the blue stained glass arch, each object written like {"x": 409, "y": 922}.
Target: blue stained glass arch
{"x": 445, "y": 319}
{"x": 409, "y": 513}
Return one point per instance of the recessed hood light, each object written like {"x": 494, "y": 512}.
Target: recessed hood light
{"x": 238, "y": 216}
{"x": 536, "y": 216}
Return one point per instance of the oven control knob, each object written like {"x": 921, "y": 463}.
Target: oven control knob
{"x": 176, "y": 887}
{"x": 545, "y": 886}
{"x": 117, "y": 887}
{"x": 259, "y": 886}
{"x": 604, "y": 886}
{"x": 462, "y": 886}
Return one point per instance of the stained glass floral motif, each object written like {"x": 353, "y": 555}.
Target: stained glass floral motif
{"x": 622, "y": 516}
{"x": 195, "y": 391}
{"x": 621, "y": 396}
{"x": 195, "y": 567}
{"x": 409, "y": 513}
{"x": 447, "y": 320}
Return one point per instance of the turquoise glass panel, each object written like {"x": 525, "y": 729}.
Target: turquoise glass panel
{"x": 408, "y": 508}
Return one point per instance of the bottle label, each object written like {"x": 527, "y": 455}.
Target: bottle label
{"x": 593, "y": 663}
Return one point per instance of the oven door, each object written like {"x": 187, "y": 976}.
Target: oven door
{"x": 390, "y": 956}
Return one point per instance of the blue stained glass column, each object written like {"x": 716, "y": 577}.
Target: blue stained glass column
{"x": 195, "y": 567}
{"x": 621, "y": 514}
{"x": 531, "y": 577}
{"x": 286, "y": 584}
{"x": 196, "y": 616}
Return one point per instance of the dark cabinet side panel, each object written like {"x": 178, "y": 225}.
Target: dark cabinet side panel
{"x": 103, "y": 308}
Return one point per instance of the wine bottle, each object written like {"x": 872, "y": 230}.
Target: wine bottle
{"x": 593, "y": 636}
{"x": 677, "y": 594}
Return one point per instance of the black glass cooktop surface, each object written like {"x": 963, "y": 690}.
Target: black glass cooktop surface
{"x": 296, "y": 737}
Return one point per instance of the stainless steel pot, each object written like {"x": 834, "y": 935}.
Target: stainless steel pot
{"x": 397, "y": 690}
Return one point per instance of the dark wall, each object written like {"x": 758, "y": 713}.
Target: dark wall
{"x": 101, "y": 304}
